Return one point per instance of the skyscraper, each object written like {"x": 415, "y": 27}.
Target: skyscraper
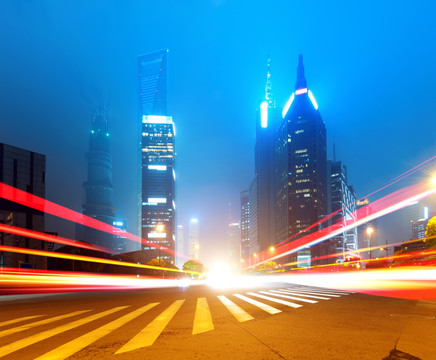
{"x": 245, "y": 225}
{"x": 234, "y": 246}
{"x": 153, "y": 83}
{"x": 194, "y": 239}
{"x": 268, "y": 120}
{"x": 25, "y": 170}
{"x": 301, "y": 159}
{"x": 98, "y": 187}
{"x": 342, "y": 200}
{"x": 157, "y": 179}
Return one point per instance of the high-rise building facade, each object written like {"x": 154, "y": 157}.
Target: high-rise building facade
{"x": 194, "y": 239}
{"x": 342, "y": 202}
{"x": 234, "y": 246}
{"x": 301, "y": 165}
{"x": 268, "y": 120}
{"x": 98, "y": 187}
{"x": 158, "y": 185}
{"x": 25, "y": 170}
{"x": 120, "y": 238}
{"x": 157, "y": 178}
{"x": 245, "y": 225}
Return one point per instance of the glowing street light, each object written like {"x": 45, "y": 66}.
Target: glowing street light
{"x": 271, "y": 249}
{"x": 160, "y": 227}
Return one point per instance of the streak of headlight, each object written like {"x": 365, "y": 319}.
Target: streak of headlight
{"x": 51, "y": 238}
{"x": 35, "y": 202}
{"x": 16, "y": 281}
{"x": 390, "y": 183}
{"x": 413, "y": 282}
{"x": 87, "y": 258}
{"x": 386, "y": 205}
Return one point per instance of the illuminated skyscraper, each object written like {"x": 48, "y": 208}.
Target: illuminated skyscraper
{"x": 234, "y": 246}
{"x": 245, "y": 225}
{"x": 98, "y": 187}
{"x": 157, "y": 192}
{"x": 301, "y": 189}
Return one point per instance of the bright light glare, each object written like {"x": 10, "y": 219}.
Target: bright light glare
{"x": 288, "y": 105}
{"x": 301, "y": 91}
{"x": 312, "y": 98}
{"x": 434, "y": 180}
{"x": 264, "y": 114}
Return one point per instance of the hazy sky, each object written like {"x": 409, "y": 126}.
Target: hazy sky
{"x": 371, "y": 67}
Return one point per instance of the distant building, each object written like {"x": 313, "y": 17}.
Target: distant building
{"x": 120, "y": 239}
{"x": 418, "y": 228}
{"x": 98, "y": 187}
{"x": 181, "y": 247}
{"x": 301, "y": 165}
{"x": 253, "y": 246}
{"x": 245, "y": 225}
{"x": 342, "y": 202}
{"x": 364, "y": 236}
{"x": 157, "y": 192}
{"x": 25, "y": 170}
{"x": 234, "y": 245}
{"x": 194, "y": 239}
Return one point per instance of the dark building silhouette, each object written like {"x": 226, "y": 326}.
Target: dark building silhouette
{"x": 25, "y": 170}
{"x": 98, "y": 187}
{"x": 301, "y": 165}
{"x": 157, "y": 179}
{"x": 268, "y": 120}
{"x": 342, "y": 202}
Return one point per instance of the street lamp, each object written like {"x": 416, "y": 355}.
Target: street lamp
{"x": 271, "y": 249}
{"x": 159, "y": 228}
{"x": 369, "y": 231}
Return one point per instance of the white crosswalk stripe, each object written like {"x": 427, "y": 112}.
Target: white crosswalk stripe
{"x": 260, "y": 305}
{"x": 304, "y": 295}
{"x": 284, "y": 302}
{"x": 279, "y": 294}
{"x": 150, "y": 333}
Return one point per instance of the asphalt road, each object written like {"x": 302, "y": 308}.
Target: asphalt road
{"x": 200, "y": 322}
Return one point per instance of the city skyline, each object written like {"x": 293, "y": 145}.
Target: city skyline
{"x": 359, "y": 110}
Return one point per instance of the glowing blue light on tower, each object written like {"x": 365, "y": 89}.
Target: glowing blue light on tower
{"x": 312, "y": 98}
{"x": 264, "y": 114}
{"x": 288, "y": 105}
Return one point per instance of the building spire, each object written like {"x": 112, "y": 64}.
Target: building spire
{"x": 268, "y": 86}
{"x": 301, "y": 80}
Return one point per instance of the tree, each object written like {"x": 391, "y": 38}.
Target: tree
{"x": 269, "y": 265}
{"x": 157, "y": 262}
{"x": 193, "y": 265}
{"x": 430, "y": 234}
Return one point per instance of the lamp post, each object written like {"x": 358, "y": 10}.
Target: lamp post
{"x": 159, "y": 228}
{"x": 369, "y": 231}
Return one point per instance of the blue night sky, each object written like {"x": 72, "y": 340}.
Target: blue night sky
{"x": 371, "y": 67}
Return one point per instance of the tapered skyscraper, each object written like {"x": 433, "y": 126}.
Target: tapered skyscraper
{"x": 98, "y": 187}
{"x": 301, "y": 160}
{"x": 157, "y": 158}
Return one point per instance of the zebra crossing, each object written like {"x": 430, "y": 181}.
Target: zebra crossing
{"x": 268, "y": 301}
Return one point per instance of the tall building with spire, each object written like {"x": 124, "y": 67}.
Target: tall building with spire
{"x": 301, "y": 165}
{"x": 98, "y": 187}
{"x": 262, "y": 204}
{"x": 157, "y": 159}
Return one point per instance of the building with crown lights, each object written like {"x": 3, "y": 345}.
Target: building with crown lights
{"x": 301, "y": 168}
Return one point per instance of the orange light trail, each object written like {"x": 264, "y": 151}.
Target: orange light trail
{"x": 35, "y": 202}
{"x": 383, "y": 206}
{"x": 51, "y": 238}
{"x": 392, "y": 182}
{"x": 86, "y": 258}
